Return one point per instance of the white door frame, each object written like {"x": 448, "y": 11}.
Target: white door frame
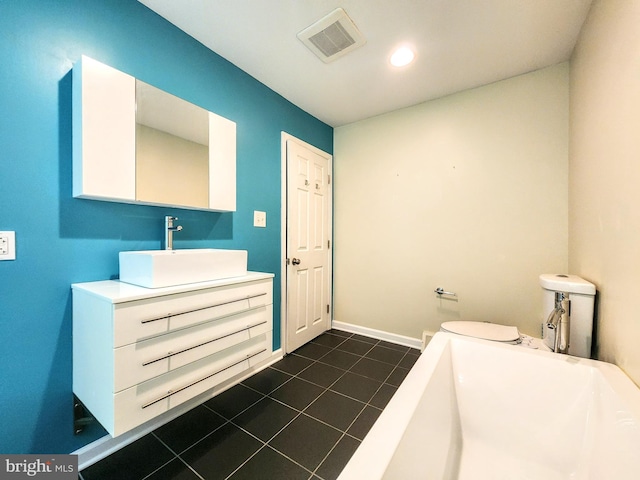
{"x": 283, "y": 234}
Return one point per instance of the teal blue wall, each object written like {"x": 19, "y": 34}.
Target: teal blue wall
{"x": 62, "y": 240}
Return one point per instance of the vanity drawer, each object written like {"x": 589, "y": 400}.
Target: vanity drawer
{"x": 138, "y": 362}
{"x": 143, "y": 319}
{"x": 142, "y": 402}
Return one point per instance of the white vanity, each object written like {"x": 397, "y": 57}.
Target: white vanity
{"x": 138, "y": 352}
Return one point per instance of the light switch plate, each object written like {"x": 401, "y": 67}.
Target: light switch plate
{"x": 7, "y": 245}
{"x": 259, "y": 219}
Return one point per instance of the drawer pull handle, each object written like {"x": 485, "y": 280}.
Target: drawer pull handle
{"x": 172, "y": 392}
{"x": 248, "y": 297}
{"x": 171, "y": 354}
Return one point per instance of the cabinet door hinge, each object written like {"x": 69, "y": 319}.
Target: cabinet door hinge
{"x": 328, "y": 243}
{"x": 328, "y": 179}
{"x": 327, "y": 308}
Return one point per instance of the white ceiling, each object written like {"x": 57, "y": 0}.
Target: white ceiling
{"x": 460, "y": 44}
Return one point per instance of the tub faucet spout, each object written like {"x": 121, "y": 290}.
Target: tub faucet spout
{"x": 168, "y": 231}
{"x": 558, "y": 321}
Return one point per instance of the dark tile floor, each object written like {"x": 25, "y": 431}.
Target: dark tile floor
{"x": 303, "y": 417}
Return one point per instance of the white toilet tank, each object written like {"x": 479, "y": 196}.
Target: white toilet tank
{"x": 581, "y": 295}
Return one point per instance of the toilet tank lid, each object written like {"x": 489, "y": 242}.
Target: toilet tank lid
{"x": 559, "y": 282}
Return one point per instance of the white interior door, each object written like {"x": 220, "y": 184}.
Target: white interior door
{"x": 308, "y": 270}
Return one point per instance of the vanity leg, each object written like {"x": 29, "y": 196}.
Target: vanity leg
{"x": 81, "y": 416}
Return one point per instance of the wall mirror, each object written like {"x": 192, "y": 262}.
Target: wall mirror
{"x": 172, "y": 149}
{"x": 135, "y": 143}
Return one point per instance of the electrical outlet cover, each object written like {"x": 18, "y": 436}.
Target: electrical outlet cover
{"x": 259, "y": 219}
{"x": 7, "y": 245}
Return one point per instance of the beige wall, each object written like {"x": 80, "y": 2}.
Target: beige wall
{"x": 468, "y": 192}
{"x": 604, "y": 173}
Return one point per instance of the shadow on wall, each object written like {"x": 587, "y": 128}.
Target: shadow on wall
{"x": 81, "y": 218}
{"x": 57, "y": 405}
{"x": 595, "y": 344}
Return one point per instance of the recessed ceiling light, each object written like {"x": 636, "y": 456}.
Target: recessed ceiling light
{"x": 402, "y": 56}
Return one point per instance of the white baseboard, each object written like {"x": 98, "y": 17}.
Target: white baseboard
{"x": 379, "y": 334}
{"x": 105, "y": 446}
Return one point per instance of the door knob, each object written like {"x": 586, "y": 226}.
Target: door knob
{"x": 295, "y": 261}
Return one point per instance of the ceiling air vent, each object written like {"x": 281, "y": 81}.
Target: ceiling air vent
{"x": 332, "y": 36}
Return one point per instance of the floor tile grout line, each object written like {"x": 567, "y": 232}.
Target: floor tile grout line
{"x": 345, "y": 372}
{"x": 205, "y": 437}
{"x": 304, "y": 411}
{"x": 364, "y": 354}
{"x": 396, "y": 364}
{"x": 334, "y": 347}
{"x": 365, "y": 405}
{"x": 300, "y": 411}
{"x": 344, "y": 433}
{"x": 246, "y": 459}
{"x": 325, "y": 389}
{"x": 333, "y": 383}
{"x": 242, "y": 411}
{"x": 176, "y": 456}
{"x": 272, "y": 436}
{"x": 325, "y": 363}
{"x": 315, "y": 472}
{"x": 407, "y": 353}
{"x": 230, "y": 420}
{"x": 264, "y": 445}
{"x": 348, "y": 334}
{"x": 372, "y": 396}
{"x": 267, "y": 444}
{"x": 271, "y": 391}
{"x": 288, "y": 457}
{"x": 337, "y": 347}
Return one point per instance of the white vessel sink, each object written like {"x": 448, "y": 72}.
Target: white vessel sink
{"x": 166, "y": 268}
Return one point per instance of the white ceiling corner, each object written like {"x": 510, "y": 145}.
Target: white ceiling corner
{"x": 460, "y": 44}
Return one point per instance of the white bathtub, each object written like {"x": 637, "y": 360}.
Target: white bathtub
{"x": 472, "y": 409}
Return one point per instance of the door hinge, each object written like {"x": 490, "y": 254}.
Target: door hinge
{"x": 328, "y": 179}
{"x": 328, "y": 243}
{"x": 327, "y": 308}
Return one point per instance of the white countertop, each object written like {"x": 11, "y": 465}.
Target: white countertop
{"x": 116, "y": 291}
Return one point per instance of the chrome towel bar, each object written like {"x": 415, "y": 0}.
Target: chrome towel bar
{"x": 441, "y": 291}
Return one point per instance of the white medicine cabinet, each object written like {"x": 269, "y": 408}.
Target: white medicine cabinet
{"x": 135, "y": 143}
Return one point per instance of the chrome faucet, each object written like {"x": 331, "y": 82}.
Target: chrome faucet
{"x": 168, "y": 231}
{"x": 558, "y": 321}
